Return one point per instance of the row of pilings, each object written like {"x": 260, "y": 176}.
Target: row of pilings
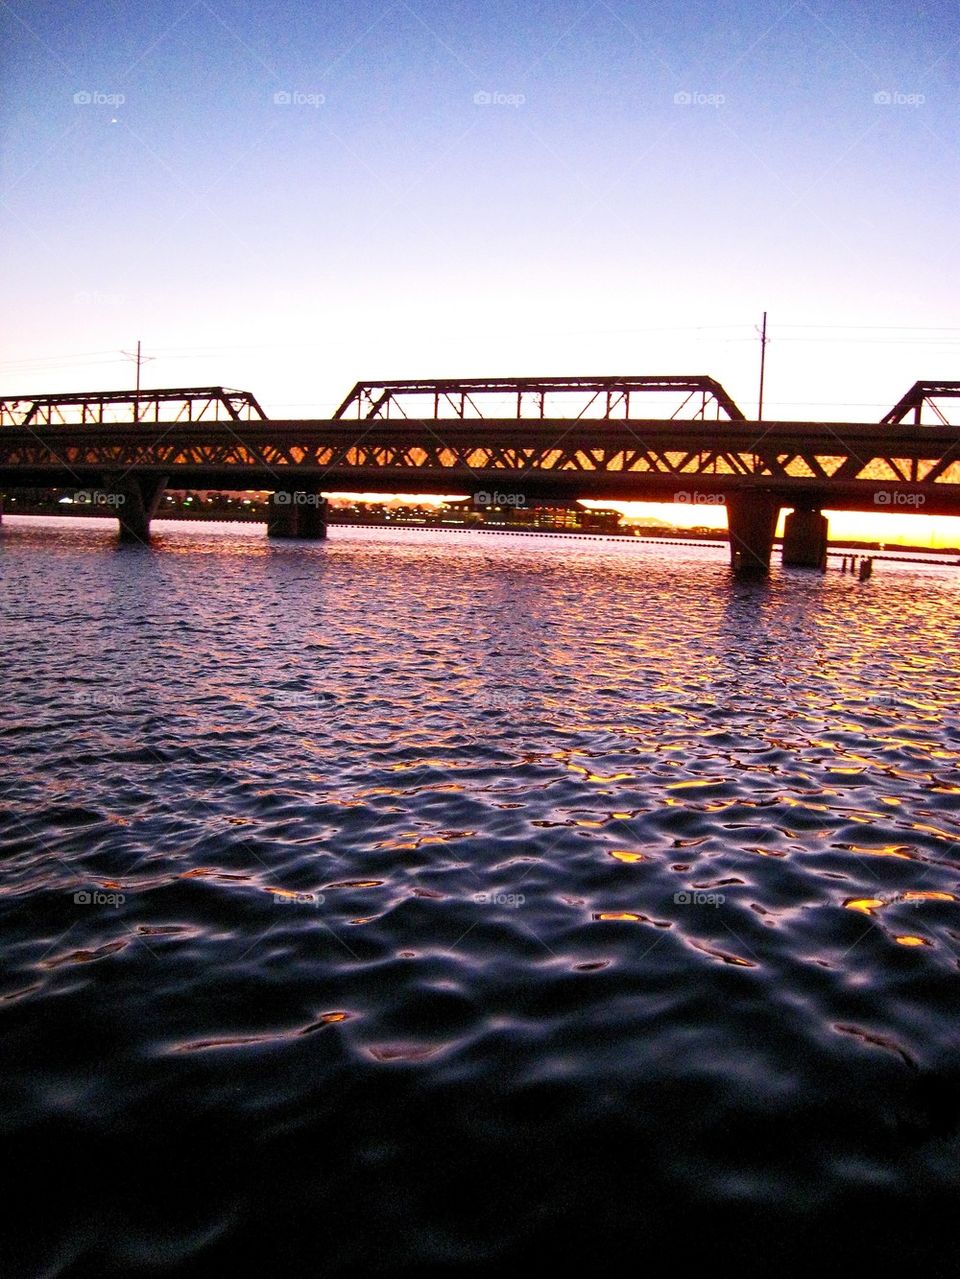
{"x": 859, "y": 564}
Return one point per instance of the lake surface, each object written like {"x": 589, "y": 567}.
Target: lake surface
{"x": 428, "y": 904}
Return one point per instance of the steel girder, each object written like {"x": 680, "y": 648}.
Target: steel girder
{"x": 583, "y": 459}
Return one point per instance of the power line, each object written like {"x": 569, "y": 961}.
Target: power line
{"x": 763, "y": 365}
{"x": 80, "y": 358}
{"x": 876, "y": 341}
{"x": 140, "y": 359}
{"x": 890, "y": 328}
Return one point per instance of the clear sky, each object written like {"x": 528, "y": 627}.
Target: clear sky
{"x": 289, "y": 197}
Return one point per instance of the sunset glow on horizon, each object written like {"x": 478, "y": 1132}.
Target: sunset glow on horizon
{"x": 935, "y": 532}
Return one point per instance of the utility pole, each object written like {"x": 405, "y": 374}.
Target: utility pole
{"x": 763, "y": 365}
{"x": 140, "y": 360}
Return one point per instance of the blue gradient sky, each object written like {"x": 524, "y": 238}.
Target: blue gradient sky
{"x": 401, "y": 228}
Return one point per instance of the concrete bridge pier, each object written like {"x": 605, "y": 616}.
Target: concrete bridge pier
{"x": 135, "y": 500}
{"x": 282, "y": 516}
{"x": 301, "y": 514}
{"x": 313, "y": 518}
{"x": 752, "y": 522}
{"x": 805, "y": 538}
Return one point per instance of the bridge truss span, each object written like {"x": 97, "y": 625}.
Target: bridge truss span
{"x": 695, "y": 398}
{"x": 100, "y": 408}
{"x": 921, "y": 403}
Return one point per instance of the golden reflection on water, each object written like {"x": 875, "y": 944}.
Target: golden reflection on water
{"x": 772, "y": 701}
{"x": 723, "y": 955}
{"x": 410, "y": 841}
{"x": 355, "y": 883}
{"x": 870, "y": 905}
{"x": 588, "y": 776}
{"x": 867, "y": 905}
{"x": 892, "y": 850}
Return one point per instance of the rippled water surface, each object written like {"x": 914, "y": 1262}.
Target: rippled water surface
{"x": 437, "y": 904}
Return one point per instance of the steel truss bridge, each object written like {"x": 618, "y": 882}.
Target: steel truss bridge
{"x": 540, "y": 439}
{"x": 194, "y": 404}
{"x": 528, "y": 397}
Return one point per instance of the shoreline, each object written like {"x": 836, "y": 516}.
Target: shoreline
{"x": 839, "y": 549}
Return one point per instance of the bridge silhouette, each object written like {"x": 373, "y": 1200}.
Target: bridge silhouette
{"x": 531, "y": 440}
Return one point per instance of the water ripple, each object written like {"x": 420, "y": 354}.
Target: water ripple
{"x": 439, "y": 869}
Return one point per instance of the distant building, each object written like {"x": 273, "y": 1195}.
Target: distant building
{"x": 544, "y": 518}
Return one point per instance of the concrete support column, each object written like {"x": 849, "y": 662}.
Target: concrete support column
{"x": 282, "y": 516}
{"x": 752, "y": 522}
{"x": 136, "y": 499}
{"x": 805, "y": 536}
{"x": 298, "y": 514}
{"x": 313, "y": 518}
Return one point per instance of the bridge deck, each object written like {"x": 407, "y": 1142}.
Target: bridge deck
{"x": 835, "y": 464}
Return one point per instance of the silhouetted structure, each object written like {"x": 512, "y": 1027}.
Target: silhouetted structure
{"x": 525, "y": 455}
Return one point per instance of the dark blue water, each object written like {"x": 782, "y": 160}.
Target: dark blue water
{"x": 443, "y": 904}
